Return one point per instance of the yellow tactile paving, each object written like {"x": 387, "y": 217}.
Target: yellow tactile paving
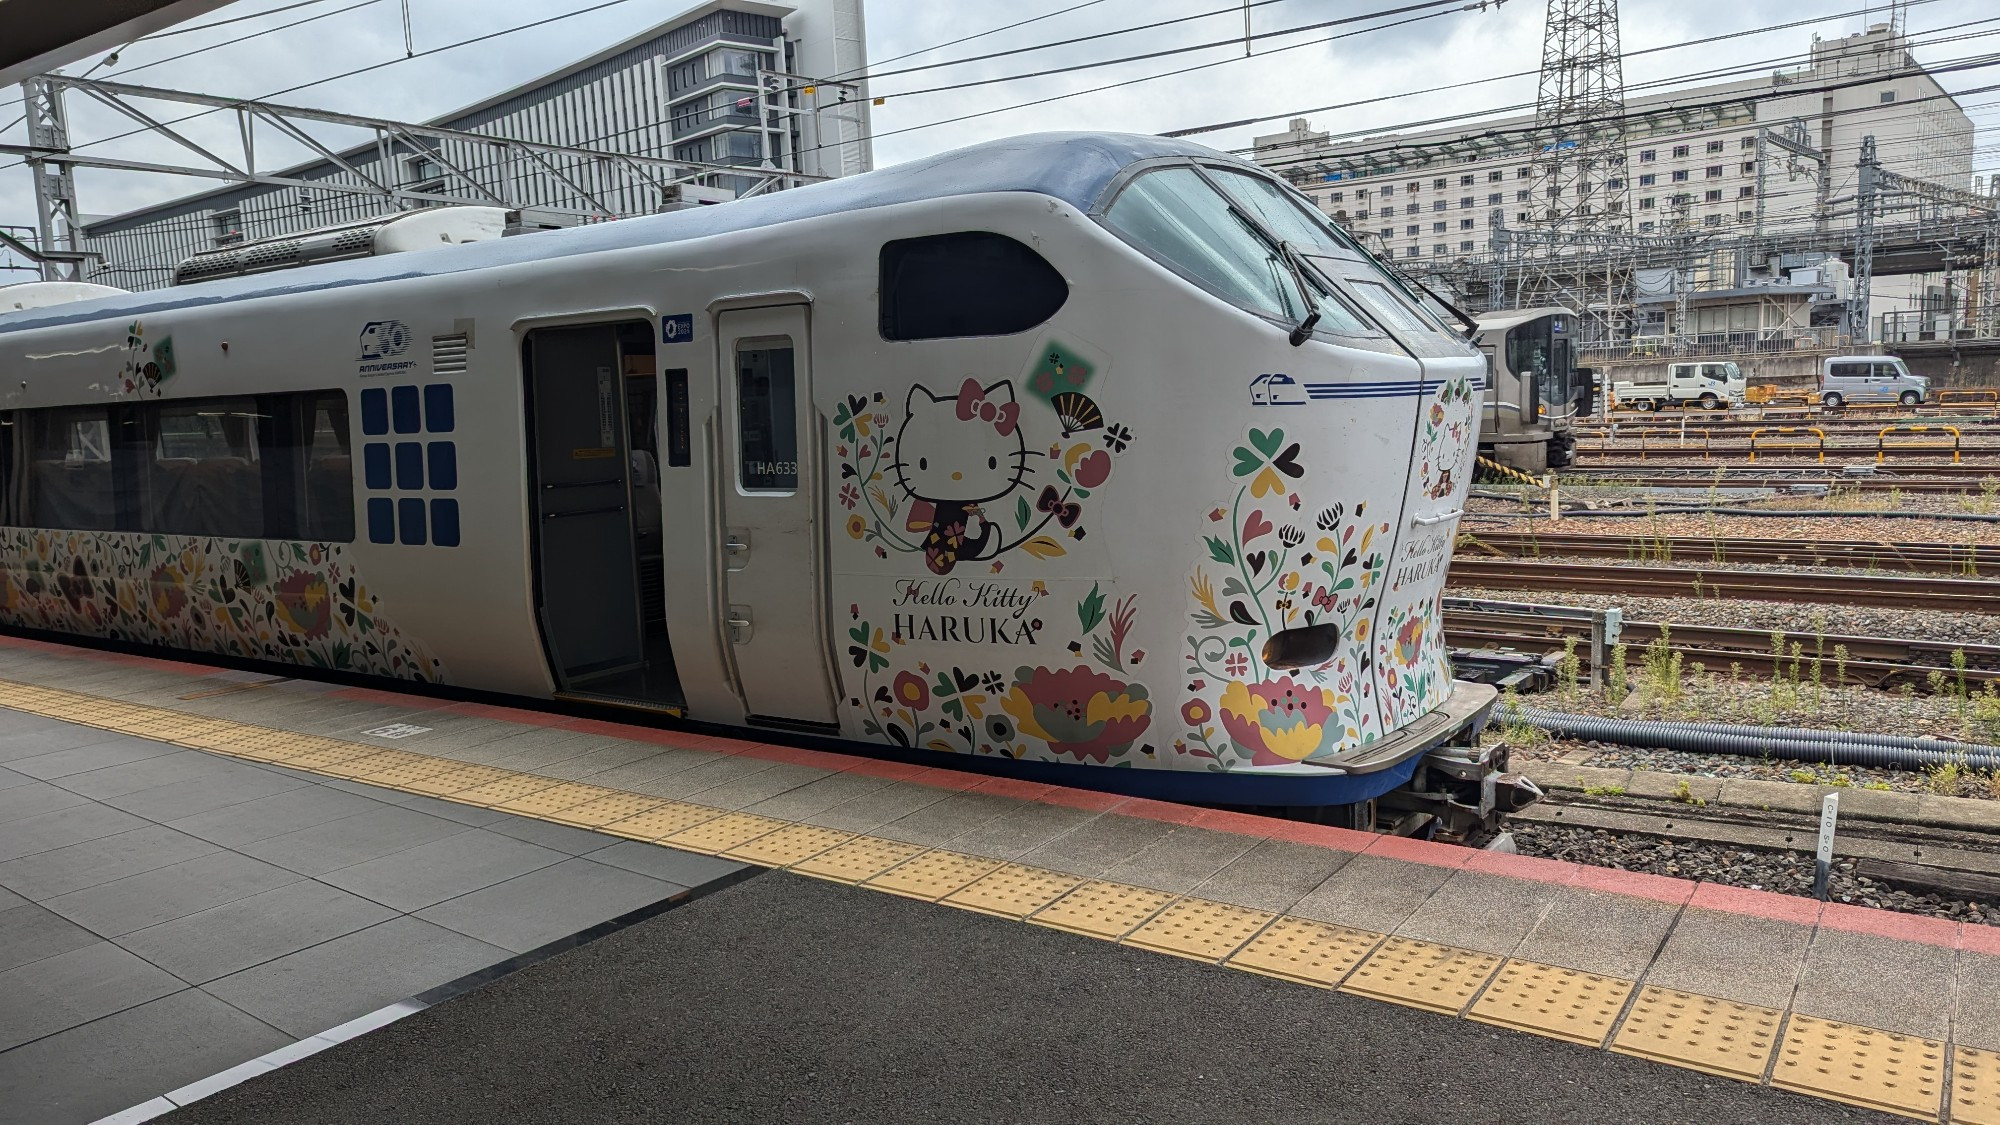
{"x": 318, "y": 757}
{"x": 1308, "y": 952}
{"x": 1013, "y": 891}
{"x": 1557, "y": 1002}
{"x": 1101, "y": 910}
{"x": 732, "y": 830}
{"x": 549, "y": 800}
{"x": 1862, "y": 1066}
{"x": 665, "y": 820}
{"x": 1701, "y": 1033}
{"x": 455, "y": 780}
{"x": 511, "y": 788}
{"x": 787, "y": 846}
{"x": 860, "y": 858}
{"x": 1421, "y": 975}
{"x": 1200, "y": 930}
{"x": 367, "y": 764}
{"x": 932, "y": 875}
{"x": 1975, "y": 1087}
{"x": 407, "y": 770}
{"x": 604, "y": 810}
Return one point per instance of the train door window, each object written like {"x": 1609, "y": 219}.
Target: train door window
{"x": 70, "y": 479}
{"x": 968, "y": 283}
{"x": 680, "y": 444}
{"x": 642, "y": 448}
{"x": 13, "y": 471}
{"x": 203, "y": 476}
{"x": 766, "y": 410}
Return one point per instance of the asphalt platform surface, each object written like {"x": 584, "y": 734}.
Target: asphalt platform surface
{"x": 787, "y": 998}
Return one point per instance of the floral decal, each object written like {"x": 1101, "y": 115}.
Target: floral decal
{"x": 1068, "y": 713}
{"x": 1268, "y": 569}
{"x": 145, "y": 367}
{"x": 300, "y": 603}
{"x": 1447, "y": 427}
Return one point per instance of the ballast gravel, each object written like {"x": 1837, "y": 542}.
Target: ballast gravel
{"x": 1788, "y": 873}
{"x": 1847, "y": 620}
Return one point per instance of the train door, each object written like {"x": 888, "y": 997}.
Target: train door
{"x": 773, "y": 534}
{"x": 594, "y": 477}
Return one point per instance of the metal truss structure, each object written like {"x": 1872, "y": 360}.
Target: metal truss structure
{"x": 1880, "y": 192}
{"x": 465, "y": 167}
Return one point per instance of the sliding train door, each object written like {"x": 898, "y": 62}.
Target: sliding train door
{"x": 592, "y": 401}
{"x": 772, "y": 514}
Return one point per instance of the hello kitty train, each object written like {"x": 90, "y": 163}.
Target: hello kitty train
{"x": 1090, "y": 458}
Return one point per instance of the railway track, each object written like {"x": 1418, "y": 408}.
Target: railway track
{"x": 1699, "y": 474}
{"x": 1880, "y": 662}
{"x": 1683, "y": 581}
{"x": 1967, "y": 559}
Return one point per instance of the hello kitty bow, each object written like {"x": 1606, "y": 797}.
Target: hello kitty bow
{"x": 973, "y": 403}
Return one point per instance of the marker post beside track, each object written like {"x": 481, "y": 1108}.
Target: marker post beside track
{"x": 1829, "y": 812}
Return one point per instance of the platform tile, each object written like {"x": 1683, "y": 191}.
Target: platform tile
{"x": 1975, "y": 1087}
{"x": 724, "y": 833}
{"x": 1199, "y": 929}
{"x": 606, "y": 810}
{"x": 860, "y": 858}
{"x": 662, "y": 820}
{"x": 1900, "y": 1074}
{"x": 506, "y": 790}
{"x": 789, "y": 845}
{"x": 932, "y": 875}
{"x": 1418, "y": 974}
{"x": 1705, "y": 1033}
{"x": 1306, "y": 952}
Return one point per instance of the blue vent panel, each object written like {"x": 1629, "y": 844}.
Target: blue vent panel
{"x": 410, "y": 466}
{"x": 374, "y": 411}
{"x": 444, "y": 465}
{"x": 403, "y": 404}
{"x": 375, "y": 464}
{"x": 439, "y": 415}
{"x": 444, "y": 523}
{"x": 381, "y": 520}
{"x": 410, "y": 514}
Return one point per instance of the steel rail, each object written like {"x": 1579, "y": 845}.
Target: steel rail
{"x": 1968, "y": 559}
{"x": 1682, "y": 581}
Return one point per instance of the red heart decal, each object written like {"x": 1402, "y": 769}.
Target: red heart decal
{"x": 1256, "y": 527}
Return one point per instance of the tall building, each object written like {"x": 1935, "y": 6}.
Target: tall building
{"x": 684, "y": 90}
{"x": 1693, "y": 164}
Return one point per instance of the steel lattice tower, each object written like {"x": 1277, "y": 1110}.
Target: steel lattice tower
{"x": 1580, "y": 179}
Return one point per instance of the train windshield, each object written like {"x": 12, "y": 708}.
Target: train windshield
{"x": 1176, "y": 215}
{"x": 1541, "y": 348}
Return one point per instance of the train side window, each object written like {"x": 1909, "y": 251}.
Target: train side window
{"x": 70, "y": 480}
{"x": 680, "y": 447}
{"x": 329, "y": 469}
{"x": 767, "y": 418}
{"x": 204, "y": 475}
{"x": 13, "y": 471}
{"x": 968, "y": 283}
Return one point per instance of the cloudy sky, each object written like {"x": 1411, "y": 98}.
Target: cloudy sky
{"x": 1286, "y": 73}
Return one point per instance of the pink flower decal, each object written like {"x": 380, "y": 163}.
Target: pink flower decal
{"x": 1080, "y": 713}
{"x": 1277, "y": 721}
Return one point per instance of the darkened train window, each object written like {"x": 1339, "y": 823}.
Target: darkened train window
{"x": 70, "y": 481}
{"x": 680, "y": 446}
{"x": 264, "y": 466}
{"x": 971, "y": 283}
{"x": 767, "y": 417}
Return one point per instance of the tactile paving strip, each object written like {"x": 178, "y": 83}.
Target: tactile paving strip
{"x": 319, "y": 756}
{"x": 506, "y": 789}
{"x": 1308, "y": 952}
{"x": 1557, "y": 1002}
{"x": 1862, "y": 1066}
{"x": 1975, "y": 1087}
{"x": 1101, "y": 910}
{"x": 723, "y": 833}
{"x": 787, "y": 846}
{"x": 1421, "y": 975}
{"x": 456, "y": 780}
{"x": 354, "y": 768}
{"x": 663, "y": 821}
{"x": 1702, "y": 1033}
{"x": 408, "y": 770}
{"x": 1200, "y": 930}
{"x": 932, "y": 875}
{"x": 554, "y": 799}
{"x": 604, "y": 810}
{"x": 1012, "y": 891}
{"x": 860, "y": 858}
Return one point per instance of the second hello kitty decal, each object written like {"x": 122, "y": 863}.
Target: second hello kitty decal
{"x": 956, "y": 479}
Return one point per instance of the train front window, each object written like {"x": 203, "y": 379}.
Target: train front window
{"x": 1177, "y": 217}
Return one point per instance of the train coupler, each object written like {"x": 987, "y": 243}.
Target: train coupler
{"x": 1467, "y": 789}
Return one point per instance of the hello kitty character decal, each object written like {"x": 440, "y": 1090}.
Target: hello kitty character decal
{"x": 954, "y": 480}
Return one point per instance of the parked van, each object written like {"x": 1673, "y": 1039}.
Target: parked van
{"x": 1870, "y": 378}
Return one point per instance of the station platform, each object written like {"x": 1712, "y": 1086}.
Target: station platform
{"x": 748, "y": 929}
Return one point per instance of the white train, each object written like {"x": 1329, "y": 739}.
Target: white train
{"x": 1100, "y": 459}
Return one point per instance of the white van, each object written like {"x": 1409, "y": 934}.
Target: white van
{"x": 1710, "y": 385}
{"x": 1870, "y": 378}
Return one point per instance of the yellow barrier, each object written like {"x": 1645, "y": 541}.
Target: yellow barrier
{"x": 1882, "y": 445}
{"x": 1783, "y": 431}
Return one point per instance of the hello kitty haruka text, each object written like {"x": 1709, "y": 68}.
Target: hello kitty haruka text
{"x": 956, "y": 482}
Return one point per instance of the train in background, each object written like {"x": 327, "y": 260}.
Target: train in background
{"x": 1089, "y": 458}
{"x": 1535, "y": 392}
